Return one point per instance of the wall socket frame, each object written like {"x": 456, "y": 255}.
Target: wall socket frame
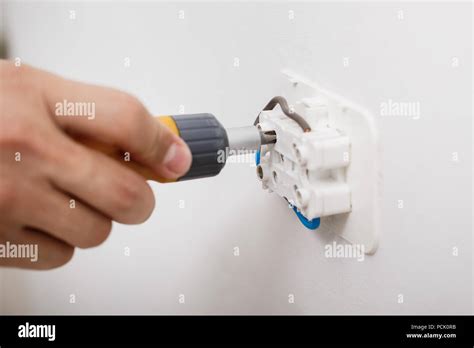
{"x": 348, "y": 203}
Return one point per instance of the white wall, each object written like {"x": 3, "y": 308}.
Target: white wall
{"x": 190, "y": 62}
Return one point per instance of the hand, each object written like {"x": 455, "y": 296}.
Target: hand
{"x": 58, "y": 194}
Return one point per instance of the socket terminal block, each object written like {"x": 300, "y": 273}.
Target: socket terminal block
{"x": 306, "y": 168}
{"x": 326, "y": 160}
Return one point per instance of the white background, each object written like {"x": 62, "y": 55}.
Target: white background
{"x": 190, "y": 62}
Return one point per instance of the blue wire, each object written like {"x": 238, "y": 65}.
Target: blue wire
{"x": 311, "y": 224}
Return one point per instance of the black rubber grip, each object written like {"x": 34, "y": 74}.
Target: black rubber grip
{"x": 208, "y": 142}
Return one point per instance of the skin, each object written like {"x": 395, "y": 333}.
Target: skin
{"x": 35, "y": 192}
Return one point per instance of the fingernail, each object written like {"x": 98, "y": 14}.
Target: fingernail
{"x": 177, "y": 159}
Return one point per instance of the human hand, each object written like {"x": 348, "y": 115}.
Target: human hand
{"x": 57, "y": 193}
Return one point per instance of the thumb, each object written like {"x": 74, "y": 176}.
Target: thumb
{"x": 169, "y": 155}
{"x": 121, "y": 120}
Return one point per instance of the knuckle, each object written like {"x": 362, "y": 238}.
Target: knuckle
{"x": 60, "y": 154}
{"x": 131, "y": 105}
{"x": 20, "y": 130}
{"x": 15, "y": 77}
{"x": 132, "y": 114}
{"x": 80, "y": 165}
{"x": 25, "y": 137}
{"x": 131, "y": 202}
{"x": 8, "y": 69}
{"x": 17, "y": 138}
{"x": 128, "y": 194}
{"x": 8, "y": 196}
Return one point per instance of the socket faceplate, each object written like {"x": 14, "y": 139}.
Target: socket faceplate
{"x": 331, "y": 172}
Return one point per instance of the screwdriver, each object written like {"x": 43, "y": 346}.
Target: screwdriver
{"x": 210, "y": 144}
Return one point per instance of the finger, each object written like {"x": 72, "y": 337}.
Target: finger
{"x": 65, "y": 218}
{"x": 117, "y": 118}
{"x": 102, "y": 183}
{"x": 34, "y": 249}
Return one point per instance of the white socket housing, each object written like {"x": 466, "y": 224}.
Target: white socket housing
{"x": 331, "y": 172}
{"x": 308, "y": 169}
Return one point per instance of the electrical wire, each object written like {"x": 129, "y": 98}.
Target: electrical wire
{"x": 286, "y": 110}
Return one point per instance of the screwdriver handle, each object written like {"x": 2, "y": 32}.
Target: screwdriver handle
{"x": 203, "y": 133}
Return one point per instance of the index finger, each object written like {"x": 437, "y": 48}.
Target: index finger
{"x": 116, "y": 118}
